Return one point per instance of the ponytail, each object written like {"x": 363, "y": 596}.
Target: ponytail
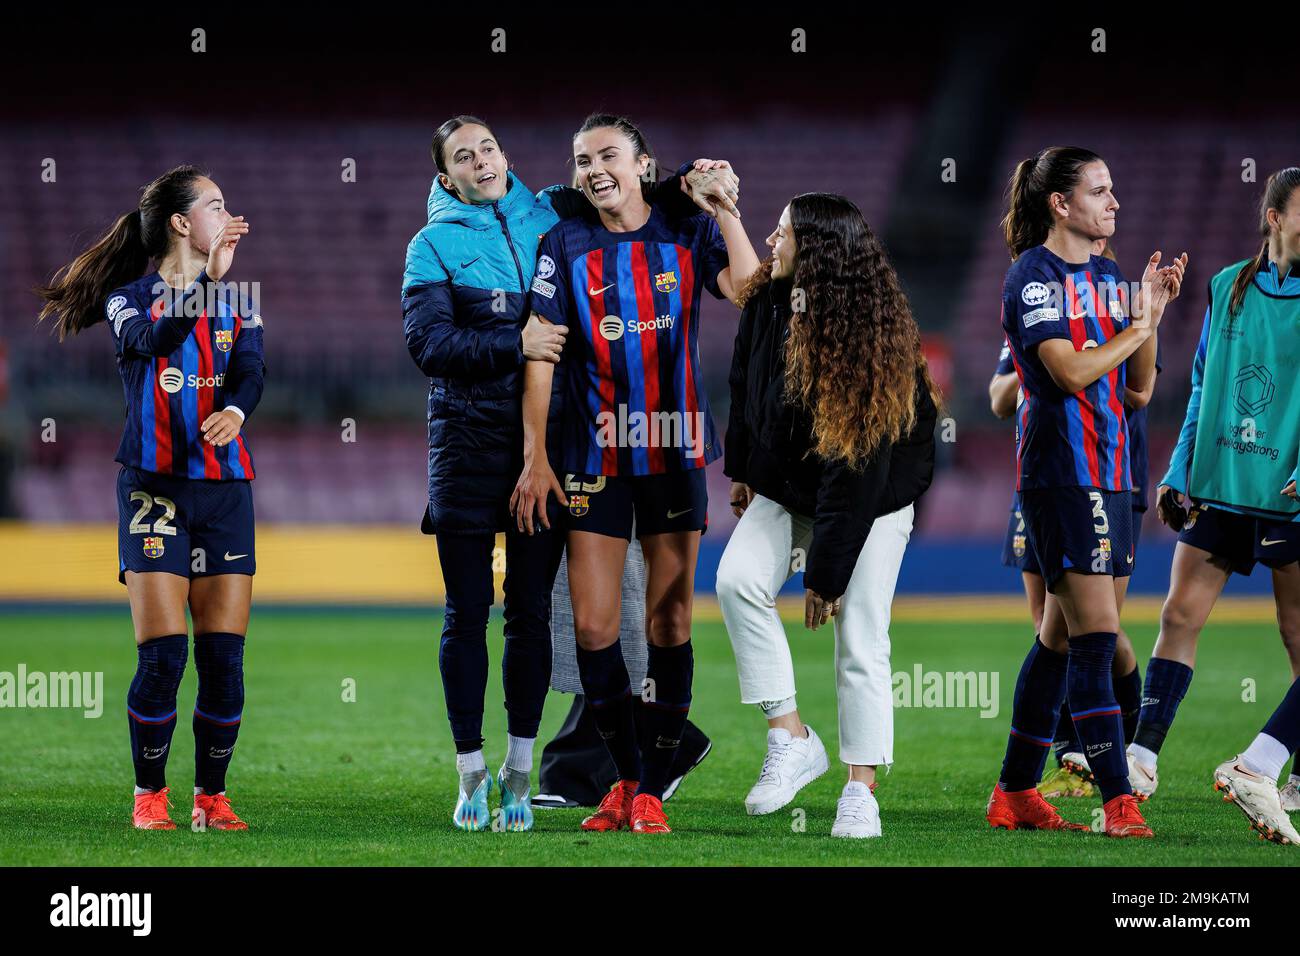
{"x": 1277, "y": 193}
{"x": 1028, "y": 220}
{"x": 76, "y": 293}
{"x": 1245, "y": 276}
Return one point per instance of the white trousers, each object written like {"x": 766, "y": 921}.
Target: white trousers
{"x": 764, "y": 551}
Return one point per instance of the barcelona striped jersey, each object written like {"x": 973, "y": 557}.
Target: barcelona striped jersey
{"x": 183, "y": 356}
{"x": 1078, "y": 439}
{"x": 635, "y": 402}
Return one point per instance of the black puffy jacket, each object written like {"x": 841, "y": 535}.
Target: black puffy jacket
{"x": 769, "y": 442}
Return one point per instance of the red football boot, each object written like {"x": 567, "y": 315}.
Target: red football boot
{"x": 615, "y": 810}
{"x": 1025, "y": 810}
{"x": 648, "y": 815}
{"x": 1123, "y": 819}
{"x": 151, "y": 811}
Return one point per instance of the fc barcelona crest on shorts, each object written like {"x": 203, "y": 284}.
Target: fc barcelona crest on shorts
{"x": 665, "y": 281}
{"x": 1018, "y": 545}
{"x": 578, "y": 505}
{"x": 225, "y": 339}
{"x": 153, "y": 546}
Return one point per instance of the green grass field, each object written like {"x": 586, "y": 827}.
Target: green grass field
{"x": 322, "y": 781}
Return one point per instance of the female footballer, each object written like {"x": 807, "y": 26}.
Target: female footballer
{"x": 830, "y": 442}
{"x": 1073, "y": 775}
{"x": 637, "y": 436}
{"x": 190, "y": 356}
{"x": 1235, "y": 465}
{"x": 1066, "y": 316}
{"x": 464, "y": 306}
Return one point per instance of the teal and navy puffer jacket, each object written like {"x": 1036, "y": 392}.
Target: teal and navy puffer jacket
{"x": 464, "y": 303}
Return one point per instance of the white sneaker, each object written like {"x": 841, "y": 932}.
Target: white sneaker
{"x": 1290, "y": 796}
{"x": 791, "y": 763}
{"x": 1256, "y": 797}
{"x": 857, "y": 815}
{"x": 1077, "y": 763}
{"x": 1142, "y": 779}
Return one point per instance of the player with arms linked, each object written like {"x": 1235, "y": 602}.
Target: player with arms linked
{"x": 1066, "y": 317}
{"x": 465, "y": 320}
{"x": 629, "y": 287}
{"x": 190, "y": 356}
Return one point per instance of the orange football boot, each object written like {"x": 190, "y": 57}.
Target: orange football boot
{"x": 151, "y": 811}
{"x": 614, "y": 810}
{"x": 648, "y": 815}
{"x": 214, "y": 813}
{"x": 1025, "y": 810}
{"x": 1123, "y": 819}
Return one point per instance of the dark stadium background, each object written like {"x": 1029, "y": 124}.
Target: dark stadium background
{"x": 871, "y": 111}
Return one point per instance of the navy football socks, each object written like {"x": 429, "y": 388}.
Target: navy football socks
{"x": 1040, "y": 688}
{"x": 1284, "y": 723}
{"x": 1066, "y": 740}
{"x": 151, "y": 706}
{"x": 667, "y": 701}
{"x": 1166, "y": 686}
{"x": 1128, "y": 694}
{"x": 607, "y": 688}
{"x": 1096, "y": 713}
{"x": 220, "y": 661}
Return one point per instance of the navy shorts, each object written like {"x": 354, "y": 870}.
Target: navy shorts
{"x": 1242, "y": 539}
{"x": 657, "y": 504}
{"x": 1079, "y": 529}
{"x": 190, "y": 527}
{"x": 1016, "y": 552}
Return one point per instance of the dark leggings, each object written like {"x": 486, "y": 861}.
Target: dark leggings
{"x": 531, "y": 565}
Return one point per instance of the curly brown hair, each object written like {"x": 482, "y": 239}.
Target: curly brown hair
{"x": 854, "y": 350}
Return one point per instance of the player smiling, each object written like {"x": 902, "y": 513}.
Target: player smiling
{"x": 632, "y": 265}
{"x": 1066, "y": 318}
{"x": 190, "y": 356}
{"x": 464, "y": 302}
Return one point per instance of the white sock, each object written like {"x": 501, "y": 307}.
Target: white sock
{"x": 1147, "y": 758}
{"x": 471, "y": 762}
{"x": 519, "y": 753}
{"x": 200, "y": 790}
{"x": 1266, "y": 756}
{"x": 140, "y": 790}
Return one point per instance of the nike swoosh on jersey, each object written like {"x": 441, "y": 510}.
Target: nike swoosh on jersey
{"x": 1266, "y": 542}
{"x": 678, "y": 514}
{"x": 596, "y": 292}
{"x": 470, "y": 262}
{"x": 234, "y": 557}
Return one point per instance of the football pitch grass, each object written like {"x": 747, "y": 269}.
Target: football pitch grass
{"x": 327, "y": 781}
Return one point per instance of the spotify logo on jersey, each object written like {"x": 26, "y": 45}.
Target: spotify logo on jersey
{"x": 611, "y": 327}
{"x": 172, "y": 380}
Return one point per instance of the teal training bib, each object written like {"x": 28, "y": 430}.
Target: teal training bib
{"x": 1248, "y": 433}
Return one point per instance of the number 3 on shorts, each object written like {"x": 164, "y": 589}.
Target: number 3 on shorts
{"x": 1100, "y": 522}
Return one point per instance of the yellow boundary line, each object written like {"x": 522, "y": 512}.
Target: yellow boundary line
{"x": 397, "y": 566}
